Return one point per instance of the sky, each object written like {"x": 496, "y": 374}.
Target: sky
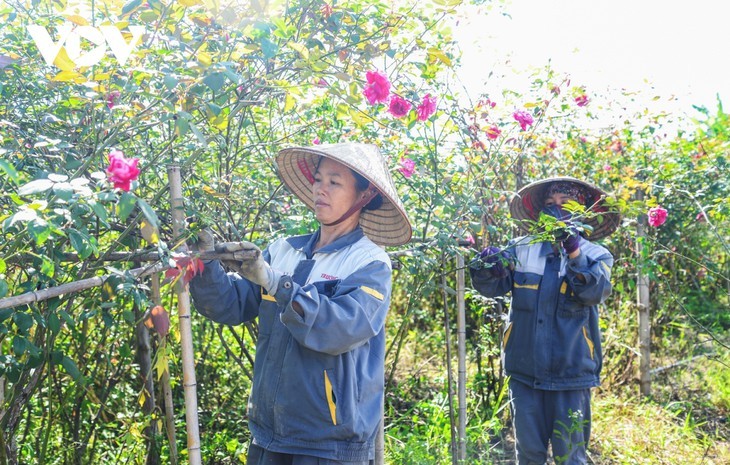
{"x": 675, "y": 50}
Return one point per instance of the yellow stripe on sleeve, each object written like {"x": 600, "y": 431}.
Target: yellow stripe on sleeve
{"x": 372, "y": 292}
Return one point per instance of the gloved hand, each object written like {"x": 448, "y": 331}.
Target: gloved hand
{"x": 494, "y": 257}
{"x": 255, "y": 269}
{"x": 205, "y": 241}
{"x": 571, "y": 243}
{"x": 568, "y": 237}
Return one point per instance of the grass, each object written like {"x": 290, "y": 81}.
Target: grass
{"x": 631, "y": 431}
{"x": 686, "y": 421}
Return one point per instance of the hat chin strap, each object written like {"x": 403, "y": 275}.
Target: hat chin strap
{"x": 369, "y": 195}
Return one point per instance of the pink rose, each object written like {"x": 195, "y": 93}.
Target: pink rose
{"x": 607, "y": 167}
{"x": 524, "y": 118}
{"x": 316, "y": 141}
{"x": 426, "y": 108}
{"x": 581, "y": 100}
{"x": 657, "y": 216}
{"x": 493, "y": 132}
{"x": 616, "y": 146}
{"x": 399, "y": 107}
{"x": 326, "y": 10}
{"x": 407, "y": 167}
{"x": 122, "y": 171}
{"x": 378, "y": 88}
{"x": 111, "y": 98}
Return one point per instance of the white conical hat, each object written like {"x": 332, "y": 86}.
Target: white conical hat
{"x": 388, "y": 225}
{"x": 528, "y": 202}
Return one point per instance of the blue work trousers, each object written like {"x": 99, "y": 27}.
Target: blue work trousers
{"x": 562, "y": 418}
{"x": 260, "y": 456}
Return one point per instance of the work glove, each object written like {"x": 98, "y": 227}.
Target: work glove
{"x": 254, "y": 269}
{"x": 494, "y": 257}
{"x": 568, "y": 237}
{"x": 205, "y": 241}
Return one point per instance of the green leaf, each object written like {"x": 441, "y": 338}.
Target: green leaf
{"x": 9, "y": 170}
{"x": 125, "y": 205}
{"x": 101, "y": 212}
{"x": 40, "y": 230}
{"x": 199, "y": 135}
{"x": 149, "y": 213}
{"x": 54, "y": 323}
{"x": 71, "y": 368}
{"x": 67, "y": 318}
{"x": 3, "y": 288}
{"x": 170, "y": 81}
{"x": 130, "y": 6}
{"x": 35, "y": 187}
{"x": 23, "y": 321}
{"x": 20, "y": 345}
{"x": 215, "y": 81}
{"x": 80, "y": 242}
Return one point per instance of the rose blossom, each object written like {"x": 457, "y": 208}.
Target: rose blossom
{"x": 122, "y": 171}
{"x": 399, "y": 107}
{"x": 111, "y": 98}
{"x": 407, "y": 167}
{"x": 657, "y": 216}
{"x": 378, "y": 87}
{"x": 581, "y": 100}
{"x": 493, "y": 132}
{"x": 426, "y": 108}
{"x": 524, "y": 118}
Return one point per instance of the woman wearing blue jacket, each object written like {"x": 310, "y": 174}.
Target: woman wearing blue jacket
{"x": 552, "y": 341}
{"x": 321, "y": 301}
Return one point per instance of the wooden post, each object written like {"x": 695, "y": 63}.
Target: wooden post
{"x": 461, "y": 331}
{"x": 183, "y": 312}
{"x": 644, "y": 306}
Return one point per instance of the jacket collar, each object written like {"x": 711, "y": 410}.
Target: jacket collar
{"x": 305, "y": 243}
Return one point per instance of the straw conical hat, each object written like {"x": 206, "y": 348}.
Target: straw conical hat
{"x": 388, "y": 225}
{"x": 528, "y": 203}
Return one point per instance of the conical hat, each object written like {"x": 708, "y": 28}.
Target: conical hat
{"x": 528, "y": 203}
{"x": 388, "y": 225}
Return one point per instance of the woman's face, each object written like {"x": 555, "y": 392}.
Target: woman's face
{"x": 557, "y": 198}
{"x": 334, "y": 191}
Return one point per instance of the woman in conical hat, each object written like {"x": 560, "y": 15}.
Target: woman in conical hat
{"x": 321, "y": 300}
{"x": 552, "y": 341}
{"x": 530, "y": 200}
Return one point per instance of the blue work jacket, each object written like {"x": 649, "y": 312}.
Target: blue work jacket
{"x": 318, "y": 379}
{"x": 552, "y": 340}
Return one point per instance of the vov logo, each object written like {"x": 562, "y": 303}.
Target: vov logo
{"x": 71, "y": 36}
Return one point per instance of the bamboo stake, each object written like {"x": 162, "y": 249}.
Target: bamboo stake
{"x": 183, "y": 312}
{"x": 461, "y": 332}
{"x": 644, "y": 304}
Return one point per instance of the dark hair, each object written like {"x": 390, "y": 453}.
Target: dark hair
{"x": 361, "y": 184}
